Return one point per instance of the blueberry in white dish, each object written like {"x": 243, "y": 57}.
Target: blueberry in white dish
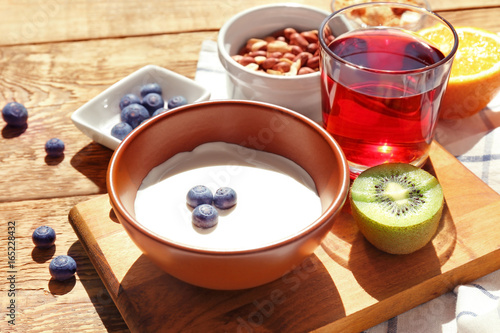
{"x": 198, "y": 195}
{"x": 54, "y": 147}
{"x": 128, "y": 99}
{"x": 225, "y": 197}
{"x": 149, "y": 88}
{"x": 158, "y": 111}
{"x": 134, "y": 114}
{"x": 62, "y": 267}
{"x": 205, "y": 216}
{"x": 153, "y": 102}
{"x": 15, "y": 114}
{"x": 176, "y": 101}
{"x": 121, "y": 130}
{"x": 44, "y": 237}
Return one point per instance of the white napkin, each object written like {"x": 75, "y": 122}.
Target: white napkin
{"x": 475, "y": 141}
{"x": 478, "y": 305}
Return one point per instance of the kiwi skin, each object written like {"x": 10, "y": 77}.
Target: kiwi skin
{"x": 392, "y": 234}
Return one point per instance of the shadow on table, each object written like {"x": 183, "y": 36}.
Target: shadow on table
{"x": 43, "y": 255}
{"x": 92, "y": 161}
{"x": 302, "y": 300}
{"x": 10, "y": 132}
{"x": 102, "y": 301}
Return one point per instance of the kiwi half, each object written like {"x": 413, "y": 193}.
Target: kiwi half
{"x": 397, "y": 206}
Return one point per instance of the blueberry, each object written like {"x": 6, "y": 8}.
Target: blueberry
{"x": 15, "y": 114}
{"x": 176, "y": 101}
{"x": 129, "y": 99}
{"x": 205, "y": 216}
{"x": 153, "y": 102}
{"x": 121, "y": 130}
{"x": 224, "y": 198}
{"x": 200, "y": 194}
{"x": 134, "y": 114}
{"x": 158, "y": 111}
{"x": 62, "y": 267}
{"x": 54, "y": 147}
{"x": 150, "y": 88}
{"x": 44, "y": 237}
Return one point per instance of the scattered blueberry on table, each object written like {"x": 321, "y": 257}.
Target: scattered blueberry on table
{"x": 224, "y": 198}
{"x": 198, "y": 195}
{"x": 15, "y": 114}
{"x": 176, "y": 101}
{"x": 44, "y": 237}
{"x": 54, "y": 147}
{"x": 62, "y": 267}
{"x": 205, "y": 216}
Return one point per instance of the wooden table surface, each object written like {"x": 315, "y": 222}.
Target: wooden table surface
{"x": 55, "y": 55}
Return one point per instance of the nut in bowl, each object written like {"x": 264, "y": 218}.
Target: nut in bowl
{"x": 253, "y": 242}
{"x": 97, "y": 118}
{"x": 257, "y": 26}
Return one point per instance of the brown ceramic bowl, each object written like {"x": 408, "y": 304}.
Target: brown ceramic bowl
{"x": 187, "y": 127}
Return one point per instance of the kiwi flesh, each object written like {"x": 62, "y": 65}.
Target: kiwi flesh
{"x": 397, "y": 206}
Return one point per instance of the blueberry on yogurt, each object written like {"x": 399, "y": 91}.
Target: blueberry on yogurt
{"x": 205, "y": 216}
{"x": 149, "y": 88}
{"x": 198, "y": 195}
{"x": 134, "y": 114}
{"x": 225, "y": 197}
{"x": 62, "y": 267}
{"x": 44, "y": 237}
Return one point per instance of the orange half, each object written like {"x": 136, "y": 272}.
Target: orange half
{"x": 475, "y": 74}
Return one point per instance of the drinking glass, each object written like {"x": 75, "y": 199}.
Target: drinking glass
{"x": 382, "y": 79}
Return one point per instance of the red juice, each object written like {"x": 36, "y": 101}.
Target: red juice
{"x": 385, "y": 113}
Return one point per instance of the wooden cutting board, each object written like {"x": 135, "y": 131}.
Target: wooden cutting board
{"x": 345, "y": 286}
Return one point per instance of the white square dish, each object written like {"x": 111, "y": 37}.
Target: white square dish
{"x": 97, "y": 117}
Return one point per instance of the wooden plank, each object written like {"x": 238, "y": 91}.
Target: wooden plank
{"x": 59, "y": 20}
{"x": 454, "y": 5}
{"x": 346, "y": 286}
{"x": 52, "y": 81}
{"x": 44, "y": 304}
{"x": 481, "y": 18}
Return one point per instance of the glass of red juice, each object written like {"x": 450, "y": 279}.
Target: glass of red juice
{"x": 382, "y": 81}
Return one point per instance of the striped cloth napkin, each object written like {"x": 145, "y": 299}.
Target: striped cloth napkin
{"x": 475, "y": 141}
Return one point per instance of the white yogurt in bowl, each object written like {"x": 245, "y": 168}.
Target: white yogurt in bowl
{"x": 276, "y": 197}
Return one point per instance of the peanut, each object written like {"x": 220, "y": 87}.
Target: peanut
{"x": 286, "y": 52}
{"x": 298, "y": 39}
{"x": 313, "y": 62}
{"x": 269, "y": 63}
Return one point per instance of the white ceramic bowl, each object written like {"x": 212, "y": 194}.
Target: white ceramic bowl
{"x": 98, "y": 116}
{"x": 299, "y": 93}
